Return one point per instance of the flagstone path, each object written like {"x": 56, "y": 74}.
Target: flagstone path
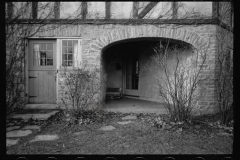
{"x": 18, "y": 132}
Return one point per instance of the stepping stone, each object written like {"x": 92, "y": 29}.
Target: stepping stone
{"x": 225, "y": 134}
{"x": 125, "y": 122}
{"x": 107, "y": 128}
{"x": 32, "y": 127}
{"x": 10, "y": 142}
{"x": 18, "y": 133}
{"x": 12, "y": 128}
{"x": 35, "y": 116}
{"x": 45, "y": 138}
{"x": 79, "y": 133}
{"x": 129, "y": 117}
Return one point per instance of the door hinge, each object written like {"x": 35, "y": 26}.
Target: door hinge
{"x": 32, "y": 77}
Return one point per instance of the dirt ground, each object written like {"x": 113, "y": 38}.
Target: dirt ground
{"x": 138, "y": 137}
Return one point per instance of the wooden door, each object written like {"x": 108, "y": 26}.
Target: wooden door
{"x": 132, "y": 75}
{"x": 42, "y": 71}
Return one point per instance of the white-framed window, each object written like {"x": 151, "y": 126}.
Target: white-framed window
{"x": 70, "y": 53}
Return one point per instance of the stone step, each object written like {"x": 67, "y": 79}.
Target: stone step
{"x": 125, "y": 122}
{"x": 18, "y": 133}
{"x": 12, "y": 128}
{"x": 32, "y": 127}
{"x": 129, "y": 117}
{"x": 107, "y": 128}
{"x": 10, "y": 142}
{"x": 45, "y": 138}
{"x": 34, "y": 116}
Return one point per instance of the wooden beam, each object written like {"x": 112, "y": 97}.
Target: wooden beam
{"x": 34, "y": 10}
{"x": 174, "y": 10}
{"x": 135, "y": 10}
{"x": 117, "y": 21}
{"x": 232, "y": 12}
{"x": 108, "y": 10}
{"x": 215, "y": 10}
{"x": 10, "y": 10}
{"x": 147, "y": 9}
{"x": 57, "y": 10}
{"x": 84, "y": 10}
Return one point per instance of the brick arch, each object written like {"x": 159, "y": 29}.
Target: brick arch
{"x": 115, "y": 35}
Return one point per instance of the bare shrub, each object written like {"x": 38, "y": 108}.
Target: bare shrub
{"x": 179, "y": 85}
{"x": 224, "y": 86}
{"x": 81, "y": 86}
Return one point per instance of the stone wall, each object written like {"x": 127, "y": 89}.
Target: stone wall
{"x": 96, "y": 37}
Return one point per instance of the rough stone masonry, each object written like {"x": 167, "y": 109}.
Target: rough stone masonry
{"x": 96, "y": 37}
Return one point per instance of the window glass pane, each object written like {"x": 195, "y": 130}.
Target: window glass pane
{"x": 49, "y": 46}
{"x": 75, "y": 47}
{"x": 36, "y": 62}
{"x": 43, "y": 62}
{"x": 49, "y": 54}
{"x": 64, "y": 63}
{"x": 70, "y": 57}
{"x": 49, "y": 62}
{"x": 70, "y": 43}
{"x": 64, "y": 57}
{"x": 64, "y": 50}
{"x": 70, "y": 63}
{"x": 42, "y": 54}
{"x": 75, "y": 42}
{"x": 70, "y": 49}
{"x": 36, "y": 47}
{"x": 43, "y": 46}
{"x": 64, "y": 43}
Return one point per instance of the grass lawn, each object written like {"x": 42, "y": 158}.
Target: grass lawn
{"x": 138, "y": 137}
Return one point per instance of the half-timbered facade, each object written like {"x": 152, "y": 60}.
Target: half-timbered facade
{"x": 116, "y": 37}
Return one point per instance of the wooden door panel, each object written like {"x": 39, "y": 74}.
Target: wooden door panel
{"x": 51, "y": 87}
{"x": 33, "y": 91}
{"x": 42, "y": 88}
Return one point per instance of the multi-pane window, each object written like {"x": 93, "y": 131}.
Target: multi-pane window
{"x": 69, "y": 49}
{"x": 43, "y": 54}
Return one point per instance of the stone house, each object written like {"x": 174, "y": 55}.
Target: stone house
{"x": 118, "y": 38}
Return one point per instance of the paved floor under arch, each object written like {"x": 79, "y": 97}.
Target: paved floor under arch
{"x": 130, "y": 105}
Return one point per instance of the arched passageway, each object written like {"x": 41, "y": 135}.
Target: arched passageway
{"x": 129, "y": 66}
{"x": 111, "y": 40}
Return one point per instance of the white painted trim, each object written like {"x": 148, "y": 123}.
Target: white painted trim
{"x": 79, "y": 50}
{"x": 58, "y": 53}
